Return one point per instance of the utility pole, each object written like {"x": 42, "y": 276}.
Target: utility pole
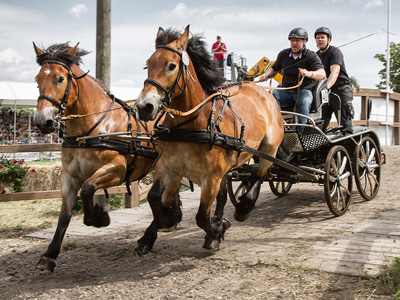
{"x": 387, "y": 75}
{"x": 103, "y": 43}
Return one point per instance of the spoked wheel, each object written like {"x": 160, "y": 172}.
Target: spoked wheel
{"x": 280, "y": 188}
{"x": 241, "y": 189}
{"x": 367, "y": 168}
{"x": 338, "y": 180}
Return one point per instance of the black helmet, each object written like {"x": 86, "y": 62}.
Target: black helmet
{"x": 298, "y": 33}
{"x": 325, "y": 30}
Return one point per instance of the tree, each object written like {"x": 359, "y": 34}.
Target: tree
{"x": 394, "y": 79}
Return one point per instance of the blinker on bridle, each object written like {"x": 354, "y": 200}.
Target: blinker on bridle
{"x": 62, "y": 104}
{"x": 184, "y": 67}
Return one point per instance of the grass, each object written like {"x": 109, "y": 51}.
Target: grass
{"x": 388, "y": 282}
{"x": 42, "y": 162}
{"x": 18, "y": 218}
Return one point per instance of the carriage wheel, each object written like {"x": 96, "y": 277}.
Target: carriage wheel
{"x": 241, "y": 189}
{"x": 338, "y": 180}
{"x": 280, "y": 188}
{"x": 367, "y": 168}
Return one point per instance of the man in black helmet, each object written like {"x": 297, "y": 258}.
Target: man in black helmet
{"x": 295, "y": 62}
{"x": 338, "y": 81}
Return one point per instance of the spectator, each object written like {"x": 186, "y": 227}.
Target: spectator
{"x": 219, "y": 48}
{"x": 338, "y": 81}
{"x": 295, "y": 62}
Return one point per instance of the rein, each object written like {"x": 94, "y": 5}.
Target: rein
{"x": 280, "y": 88}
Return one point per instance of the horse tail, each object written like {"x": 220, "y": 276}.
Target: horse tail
{"x": 284, "y": 152}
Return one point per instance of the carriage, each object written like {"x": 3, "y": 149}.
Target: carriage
{"x": 331, "y": 159}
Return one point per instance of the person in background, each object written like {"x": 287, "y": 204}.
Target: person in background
{"x": 295, "y": 62}
{"x": 219, "y": 48}
{"x": 338, "y": 81}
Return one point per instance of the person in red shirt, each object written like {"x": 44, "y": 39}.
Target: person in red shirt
{"x": 219, "y": 48}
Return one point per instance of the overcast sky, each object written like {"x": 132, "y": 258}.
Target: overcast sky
{"x": 252, "y": 29}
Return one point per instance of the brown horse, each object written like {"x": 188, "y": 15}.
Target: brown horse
{"x": 181, "y": 74}
{"x": 66, "y": 91}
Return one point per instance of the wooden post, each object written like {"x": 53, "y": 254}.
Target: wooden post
{"x": 132, "y": 200}
{"x": 103, "y": 43}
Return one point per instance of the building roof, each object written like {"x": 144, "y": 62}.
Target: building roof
{"x": 24, "y": 94}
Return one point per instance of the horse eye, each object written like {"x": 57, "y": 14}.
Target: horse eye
{"x": 171, "y": 67}
{"x": 60, "y": 79}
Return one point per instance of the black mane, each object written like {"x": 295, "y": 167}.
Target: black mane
{"x": 59, "y": 52}
{"x": 207, "y": 71}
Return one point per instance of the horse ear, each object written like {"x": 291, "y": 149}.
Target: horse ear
{"x": 73, "y": 50}
{"x": 182, "y": 41}
{"x": 37, "y": 50}
{"x": 160, "y": 31}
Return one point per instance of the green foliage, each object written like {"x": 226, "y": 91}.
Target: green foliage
{"x": 388, "y": 282}
{"x": 394, "y": 80}
{"x": 354, "y": 83}
{"x": 14, "y": 175}
{"x": 117, "y": 201}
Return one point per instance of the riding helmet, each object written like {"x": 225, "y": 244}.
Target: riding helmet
{"x": 325, "y": 30}
{"x": 298, "y": 33}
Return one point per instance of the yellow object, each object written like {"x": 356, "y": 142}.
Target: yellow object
{"x": 261, "y": 67}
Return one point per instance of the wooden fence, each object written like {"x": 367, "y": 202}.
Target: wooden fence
{"x": 133, "y": 200}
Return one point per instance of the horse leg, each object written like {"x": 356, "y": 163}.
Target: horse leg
{"x": 248, "y": 200}
{"x": 220, "y": 224}
{"x": 69, "y": 192}
{"x": 107, "y": 176}
{"x": 165, "y": 205}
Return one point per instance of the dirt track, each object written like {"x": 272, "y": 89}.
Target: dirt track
{"x": 263, "y": 258}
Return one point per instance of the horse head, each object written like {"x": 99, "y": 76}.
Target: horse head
{"x": 165, "y": 69}
{"x": 56, "y": 83}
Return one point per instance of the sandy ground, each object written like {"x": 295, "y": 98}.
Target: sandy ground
{"x": 256, "y": 260}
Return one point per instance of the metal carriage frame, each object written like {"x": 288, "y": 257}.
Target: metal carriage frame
{"x": 331, "y": 160}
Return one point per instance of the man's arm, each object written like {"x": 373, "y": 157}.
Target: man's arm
{"x": 266, "y": 75}
{"x": 317, "y": 75}
{"x": 335, "y": 70}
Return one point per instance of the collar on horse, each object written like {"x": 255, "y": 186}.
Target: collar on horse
{"x": 62, "y": 104}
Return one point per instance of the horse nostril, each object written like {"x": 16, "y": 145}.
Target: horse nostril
{"x": 49, "y": 124}
{"x": 148, "y": 108}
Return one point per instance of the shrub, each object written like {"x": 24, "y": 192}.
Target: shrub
{"x": 14, "y": 175}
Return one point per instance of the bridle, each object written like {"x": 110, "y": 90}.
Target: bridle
{"x": 62, "y": 104}
{"x": 165, "y": 102}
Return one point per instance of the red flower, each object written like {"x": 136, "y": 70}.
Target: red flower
{"x": 33, "y": 170}
{"x": 15, "y": 161}
{"x": 3, "y": 191}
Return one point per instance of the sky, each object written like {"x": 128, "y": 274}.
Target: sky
{"x": 253, "y": 29}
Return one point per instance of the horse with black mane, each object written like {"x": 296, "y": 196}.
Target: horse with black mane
{"x": 69, "y": 95}
{"x": 200, "y": 136}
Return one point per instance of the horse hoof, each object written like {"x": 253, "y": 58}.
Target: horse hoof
{"x": 211, "y": 244}
{"x": 241, "y": 217}
{"x": 98, "y": 220}
{"x": 141, "y": 250}
{"x": 227, "y": 224}
{"x": 46, "y": 263}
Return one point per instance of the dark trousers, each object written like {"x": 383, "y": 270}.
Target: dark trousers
{"x": 347, "y": 110}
